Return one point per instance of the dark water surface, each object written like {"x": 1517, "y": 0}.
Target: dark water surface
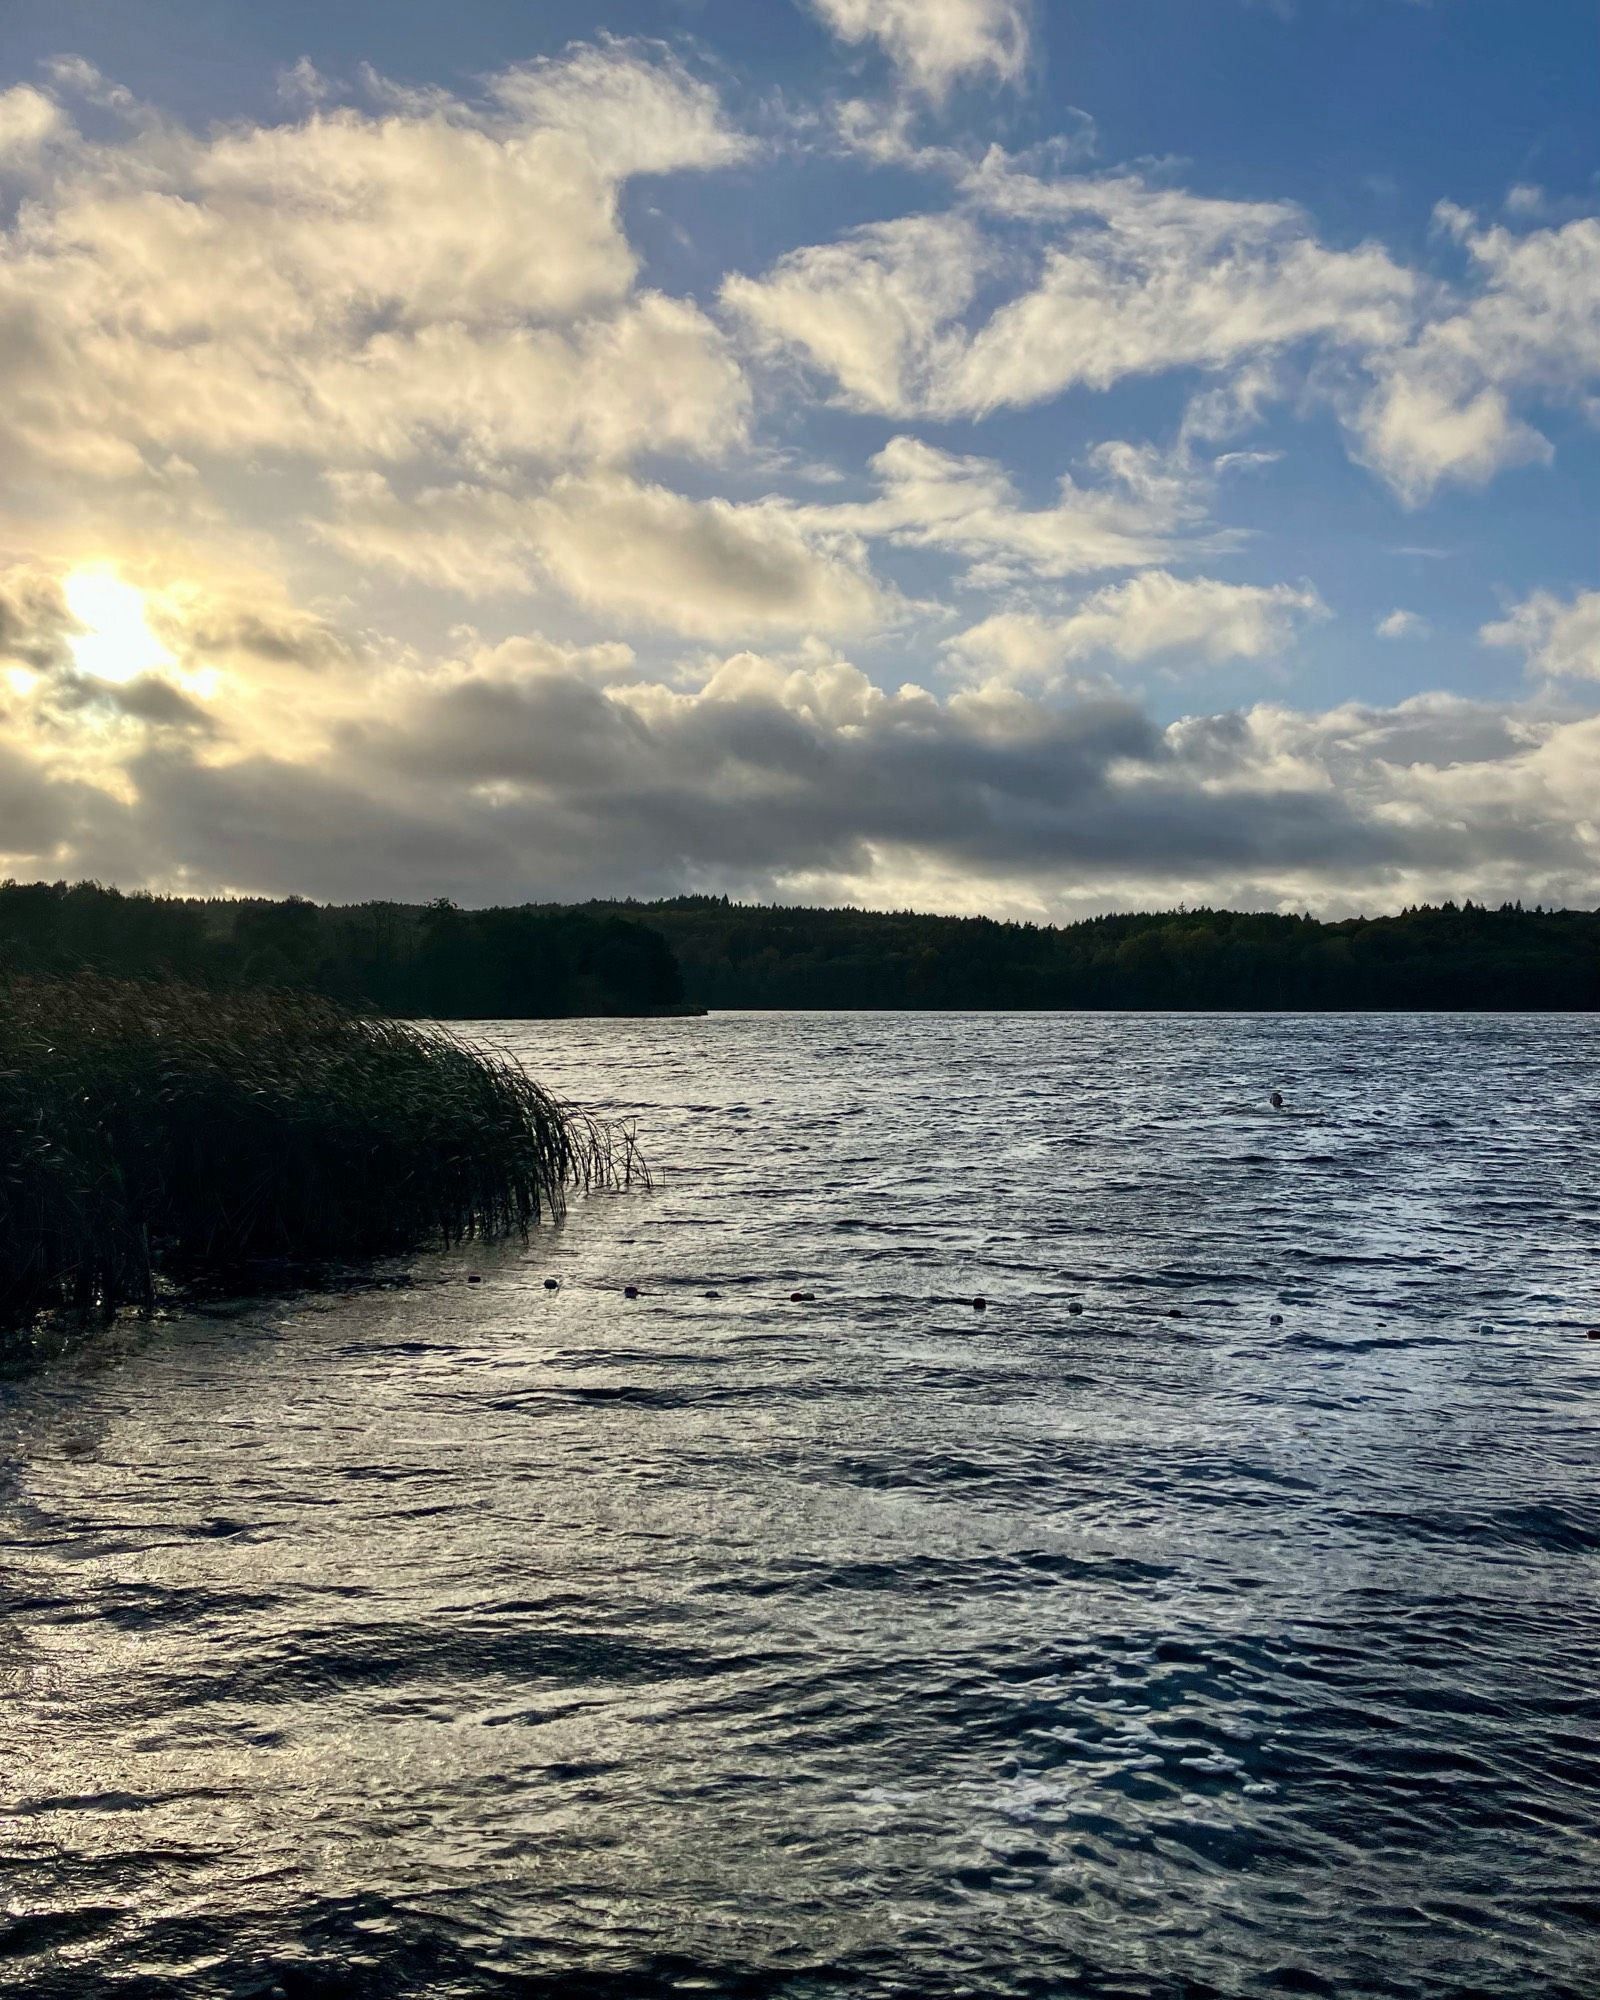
{"x": 476, "y": 1640}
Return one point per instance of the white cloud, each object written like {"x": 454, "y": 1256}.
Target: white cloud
{"x": 536, "y": 768}
{"x": 1138, "y": 512}
{"x": 28, "y": 121}
{"x": 645, "y": 555}
{"x": 638, "y": 552}
{"x": 1139, "y": 280}
{"x": 1152, "y": 616}
{"x": 1560, "y": 637}
{"x": 1443, "y": 405}
{"x": 424, "y": 277}
{"x": 934, "y": 44}
{"x": 435, "y": 305}
{"x": 633, "y": 109}
{"x": 1418, "y": 432}
{"x": 1157, "y": 613}
{"x": 1118, "y": 279}
{"x": 630, "y": 550}
{"x": 876, "y": 310}
{"x": 1030, "y": 286}
{"x": 1402, "y": 625}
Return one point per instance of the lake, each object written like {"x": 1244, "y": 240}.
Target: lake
{"x": 1216, "y": 1613}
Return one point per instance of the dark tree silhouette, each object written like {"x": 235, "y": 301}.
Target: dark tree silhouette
{"x": 541, "y": 961}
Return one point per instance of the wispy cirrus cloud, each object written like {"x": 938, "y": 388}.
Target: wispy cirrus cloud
{"x": 1104, "y": 278}
{"x": 1139, "y": 505}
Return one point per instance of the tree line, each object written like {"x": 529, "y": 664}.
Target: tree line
{"x": 437, "y": 961}
{"x": 428, "y": 962}
{"x": 1448, "y": 957}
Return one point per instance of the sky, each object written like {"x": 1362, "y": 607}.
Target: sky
{"x": 967, "y": 455}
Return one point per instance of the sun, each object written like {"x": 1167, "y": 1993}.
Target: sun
{"x": 116, "y": 643}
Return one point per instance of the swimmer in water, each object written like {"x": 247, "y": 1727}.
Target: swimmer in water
{"x": 1276, "y": 1100}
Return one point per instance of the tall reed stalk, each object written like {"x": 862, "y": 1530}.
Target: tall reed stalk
{"x": 159, "y": 1132}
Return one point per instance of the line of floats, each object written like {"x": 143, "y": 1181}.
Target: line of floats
{"x": 978, "y": 1303}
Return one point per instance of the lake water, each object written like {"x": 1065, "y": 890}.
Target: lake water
{"x": 457, "y": 1640}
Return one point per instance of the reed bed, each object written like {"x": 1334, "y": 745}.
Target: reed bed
{"x": 156, "y": 1134}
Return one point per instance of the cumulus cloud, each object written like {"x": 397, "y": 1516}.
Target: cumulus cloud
{"x": 252, "y": 628}
{"x": 1443, "y": 407}
{"x": 1560, "y": 637}
{"x": 538, "y": 768}
{"x": 1402, "y": 625}
{"x": 644, "y": 555}
{"x": 1031, "y": 285}
{"x": 28, "y": 121}
{"x": 369, "y": 283}
{"x": 935, "y": 44}
{"x": 409, "y": 338}
{"x": 1154, "y": 615}
{"x": 1419, "y": 432}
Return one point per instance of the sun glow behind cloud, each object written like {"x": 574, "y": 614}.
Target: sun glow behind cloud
{"x": 116, "y": 642}
{"x": 422, "y": 513}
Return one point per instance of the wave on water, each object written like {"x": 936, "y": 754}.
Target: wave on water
{"x": 1210, "y": 1614}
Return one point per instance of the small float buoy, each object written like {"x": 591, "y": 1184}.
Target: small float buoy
{"x": 802, "y": 1298}
{"x": 474, "y": 1278}
{"x": 552, "y": 1284}
{"x": 1594, "y": 1333}
{"x": 630, "y": 1291}
{"x": 980, "y": 1304}
{"x": 1075, "y": 1309}
{"x": 712, "y": 1295}
{"x": 1173, "y": 1313}
{"x": 1275, "y": 1320}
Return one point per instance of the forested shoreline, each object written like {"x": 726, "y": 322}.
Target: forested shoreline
{"x": 1452, "y": 957}
{"x": 418, "y": 962}
{"x": 689, "y": 953}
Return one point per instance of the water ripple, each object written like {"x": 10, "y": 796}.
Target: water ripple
{"x": 1213, "y": 1615}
